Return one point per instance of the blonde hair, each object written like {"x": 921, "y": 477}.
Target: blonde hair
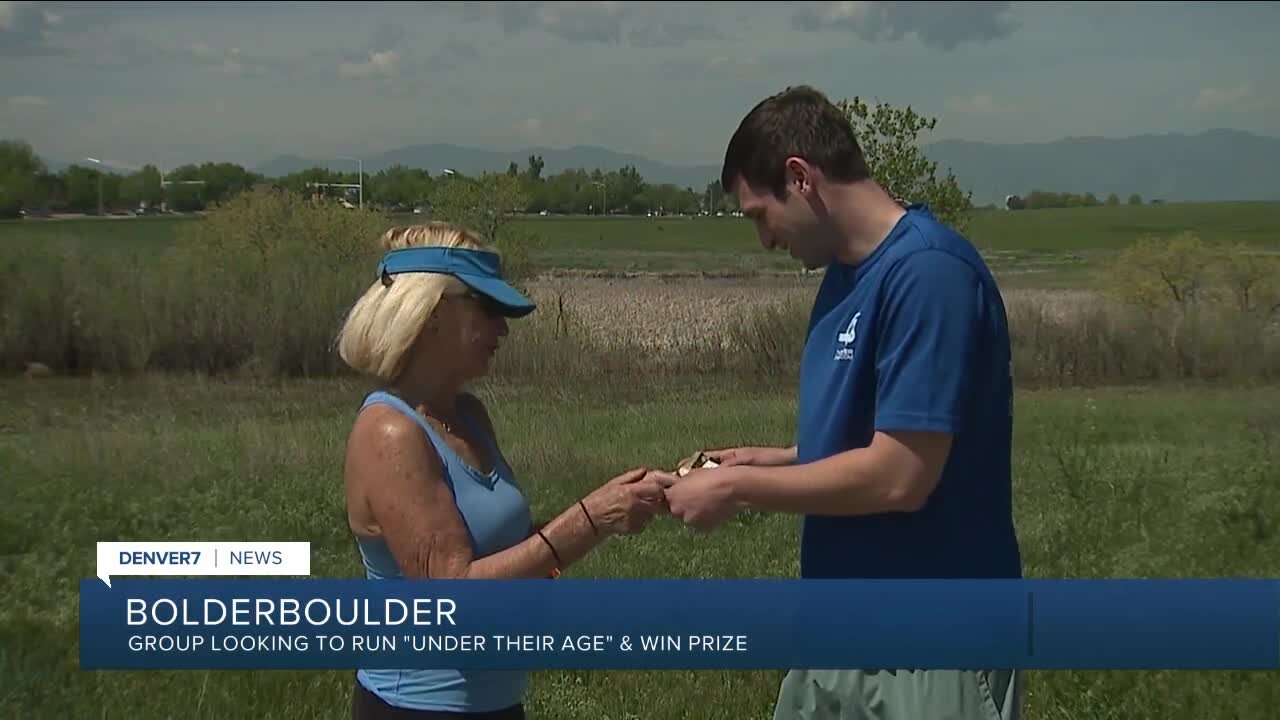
{"x": 386, "y": 321}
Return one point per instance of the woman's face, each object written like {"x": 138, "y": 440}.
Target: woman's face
{"x": 469, "y": 329}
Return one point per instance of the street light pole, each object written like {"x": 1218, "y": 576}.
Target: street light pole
{"x": 99, "y": 163}
{"x": 604, "y": 196}
{"x": 360, "y": 165}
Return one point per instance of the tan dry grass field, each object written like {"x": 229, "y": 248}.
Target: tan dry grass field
{"x": 667, "y": 311}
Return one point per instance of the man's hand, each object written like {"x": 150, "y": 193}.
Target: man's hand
{"x": 752, "y": 455}
{"x": 703, "y": 499}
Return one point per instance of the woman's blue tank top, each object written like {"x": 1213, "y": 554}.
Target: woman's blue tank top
{"x": 497, "y": 517}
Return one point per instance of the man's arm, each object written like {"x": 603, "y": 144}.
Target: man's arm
{"x": 896, "y": 473}
{"x": 928, "y": 334}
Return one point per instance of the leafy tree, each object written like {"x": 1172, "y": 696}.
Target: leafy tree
{"x": 50, "y": 191}
{"x": 621, "y": 190}
{"x": 535, "y": 167}
{"x": 142, "y": 187}
{"x": 399, "y": 187}
{"x": 20, "y": 169}
{"x": 888, "y": 137}
{"x": 715, "y": 197}
{"x": 668, "y": 199}
{"x": 1252, "y": 279}
{"x": 82, "y": 188}
{"x": 1113, "y": 200}
{"x": 224, "y": 180}
{"x": 1135, "y": 199}
{"x": 486, "y": 205}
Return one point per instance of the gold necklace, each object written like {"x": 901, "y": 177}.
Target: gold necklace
{"x": 448, "y": 427}
{"x": 426, "y": 411}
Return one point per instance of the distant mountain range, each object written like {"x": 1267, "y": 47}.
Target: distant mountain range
{"x": 1216, "y": 165}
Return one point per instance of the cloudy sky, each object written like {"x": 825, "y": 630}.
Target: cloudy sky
{"x": 167, "y": 82}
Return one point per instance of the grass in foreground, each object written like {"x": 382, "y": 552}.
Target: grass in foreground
{"x": 1118, "y": 483}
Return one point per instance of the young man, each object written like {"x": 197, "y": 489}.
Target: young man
{"x": 902, "y": 462}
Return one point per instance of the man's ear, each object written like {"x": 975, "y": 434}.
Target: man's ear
{"x": 799, "y": 174}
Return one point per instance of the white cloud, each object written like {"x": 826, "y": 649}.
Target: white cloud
{"x": 380, "y": 63}
{"x": 944, "y": 26}
{"x": 672, "y": 34}
{"x": 232, "y": 65}
{"x": 24, "y": 29}
{"x": 28, "y": 102}
{"x": 202, "y": 50}
{"x": 1212, "y": 97}
{"x": 724, "y": 64}
{"x": 8, "y": 15}
{"x": 984, "y": 103}
{"x": 530, "y": 128}
{"x": 576, "y": 22}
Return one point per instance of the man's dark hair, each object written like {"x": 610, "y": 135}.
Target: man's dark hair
{"x": 801, "y": 122}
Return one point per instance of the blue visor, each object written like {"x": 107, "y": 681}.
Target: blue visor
{"x": 478, "y": 269}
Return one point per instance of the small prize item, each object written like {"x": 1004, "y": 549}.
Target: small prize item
{"x": 701, "y": 460}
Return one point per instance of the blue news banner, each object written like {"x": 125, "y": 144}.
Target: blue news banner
{"x": 679, "y": 624}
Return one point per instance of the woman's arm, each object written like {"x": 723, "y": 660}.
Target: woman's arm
{"x": 403, "y": 482}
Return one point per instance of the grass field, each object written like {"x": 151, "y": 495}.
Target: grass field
{"x": 1119, "y": 483}
{"x": 1035, "y": 248}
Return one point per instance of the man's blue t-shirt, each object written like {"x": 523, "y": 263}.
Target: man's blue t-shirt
{"x": 914, "y": 337}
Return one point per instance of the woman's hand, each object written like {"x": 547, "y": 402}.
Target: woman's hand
{"x": 625, "y": 504}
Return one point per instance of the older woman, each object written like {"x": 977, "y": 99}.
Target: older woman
{"x": 429, "y": 493}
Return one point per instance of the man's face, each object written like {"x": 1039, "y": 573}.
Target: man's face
{"x": 785, "y": 224}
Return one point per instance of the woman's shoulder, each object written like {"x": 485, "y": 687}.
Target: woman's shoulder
{"x": 383, "y": 437}
{"x": 380, "y": 423}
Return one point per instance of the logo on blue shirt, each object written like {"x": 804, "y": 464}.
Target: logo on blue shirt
{"x": 846, "y": 338}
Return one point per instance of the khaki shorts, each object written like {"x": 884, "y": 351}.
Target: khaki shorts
{"x": 899, "y": 695}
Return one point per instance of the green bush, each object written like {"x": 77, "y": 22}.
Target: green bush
{"x": 1157, "y": 274}
{"x": 260, "y": 286}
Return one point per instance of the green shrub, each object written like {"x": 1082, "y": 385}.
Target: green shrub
{"x": 1155, "y": 272}
{"x": 260, "y": 286}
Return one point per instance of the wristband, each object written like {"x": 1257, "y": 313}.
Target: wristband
{"x": 594, "y": 529}
{"x": 555, "y": 571}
